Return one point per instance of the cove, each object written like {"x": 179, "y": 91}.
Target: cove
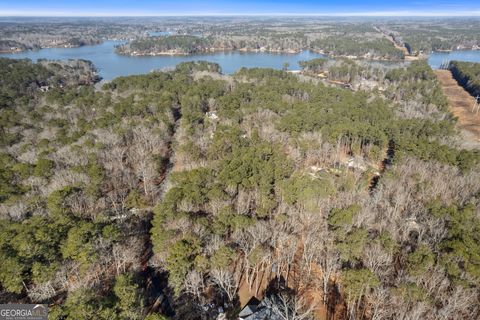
{"x": 111, "y": 65}
{"x": 437, "y": 58}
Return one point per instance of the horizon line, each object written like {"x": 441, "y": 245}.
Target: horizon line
{"x": 62, "y": 14}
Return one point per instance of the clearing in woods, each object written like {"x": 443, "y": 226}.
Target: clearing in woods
{"x": 461, "y": 105}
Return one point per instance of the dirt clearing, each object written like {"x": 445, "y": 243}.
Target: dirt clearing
{"x": 461, "y": 105}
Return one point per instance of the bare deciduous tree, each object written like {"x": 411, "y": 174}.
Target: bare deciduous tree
{"x": 329, "y": 262}
{"x": 376, "y": 258}
{"x": 41, "y": 292}
{"x": 292, "y": 307}
{"x": 228, "y": 281}
{"x": 146, "y": 143}
{"x": 124, "y": 255}
{"x": 380, "y": 305}
{"x": 459, "y": 304}
{"x": 194, "y": 284}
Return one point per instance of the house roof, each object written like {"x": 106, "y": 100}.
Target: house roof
{"x": 250, "y": 307}
{"x": 259, "y": 310}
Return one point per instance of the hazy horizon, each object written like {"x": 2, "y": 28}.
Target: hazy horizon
{"x": 149, "y": 8}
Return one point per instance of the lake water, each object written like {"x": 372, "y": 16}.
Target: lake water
{"x": 111, "y": 65}
{"x": 437, "y": 58}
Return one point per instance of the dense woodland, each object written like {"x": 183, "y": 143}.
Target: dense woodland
{"x": 21, "y": 34}
{"x": 352, "y": 46}
{"x": 467, "y": 74}
{"x": 166, "y": 195}
{"x": 360, "y": 40}
{"x": 178, "y": 44}
{"x": 423, "y": 36}
{"x": 186, "y": 44}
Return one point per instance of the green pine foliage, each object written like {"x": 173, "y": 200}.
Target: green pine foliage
{"x": 90, "y": 175}
{"x": 467, "y": 74}
{"x": 356, "y": 46}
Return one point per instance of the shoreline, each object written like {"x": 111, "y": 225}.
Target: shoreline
{"x": 243, "y": 50}
{"x": 407, "y": 58}
{"x": 173, "y": 53}
{"x": 211, "y": 50}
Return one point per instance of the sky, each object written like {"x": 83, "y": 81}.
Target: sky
{"x": 239, "y": 7}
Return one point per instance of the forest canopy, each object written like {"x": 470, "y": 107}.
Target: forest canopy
{"x": 467, "y": 74}
{"x": 190, "y": 185}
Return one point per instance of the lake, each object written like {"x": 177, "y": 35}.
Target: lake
{"x": 111, "y": 65}
{"x": 437, "y": 58}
